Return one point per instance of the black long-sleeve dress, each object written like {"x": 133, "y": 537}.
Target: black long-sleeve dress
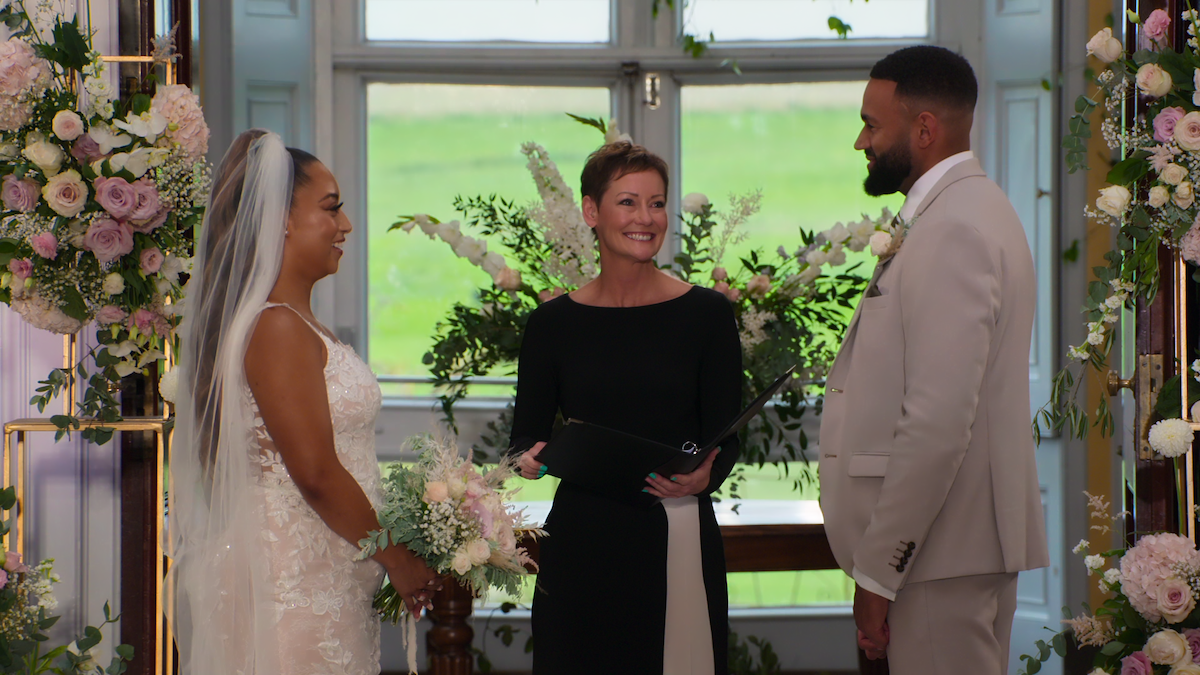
{"x": 671, "y": 372}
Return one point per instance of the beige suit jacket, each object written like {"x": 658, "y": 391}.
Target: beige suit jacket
{"x": 926, "y": 457}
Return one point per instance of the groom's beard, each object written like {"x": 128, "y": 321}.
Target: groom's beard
{"x": 891, "y": 169}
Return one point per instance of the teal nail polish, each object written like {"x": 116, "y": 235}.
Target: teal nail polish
{"x": 673, "y": 478}
{"x": 653, "y": 476}
{"x": 645, "y": 490}
{"x": 543, "y": 469}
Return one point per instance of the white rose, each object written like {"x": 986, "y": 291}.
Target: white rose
{"x": 462, "y": 562}
{"x": 1153, "y": 81}
{"x": 1159, "y": 196}
{"x": 1113, "y": 200}
{"x": 1105, "y": 47}
{"x": 1175, "y": 601}
{"x": 47, "y": 156}
{"x": 880, "y": 243}
{"x": 694, "y": 203}
{"x": 67, "y": 125}
{"x": 479, "y": 551}
{"x": 436, "y": 491}
{"x": 114, "y": 284}
{"x": 1173, "y": 174}
{"x": 9, "y": 150}
{"x": 1186, "y": 668}
{"x": 66, "y": 194}
{"x": 1167, "y": 648}
{"x": 168, "y": 385}
{"x": 1184, "y": 195}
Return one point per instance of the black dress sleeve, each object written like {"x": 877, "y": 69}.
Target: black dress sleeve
{"x": 537, "y": 386}
{"x": 721, "y": 389}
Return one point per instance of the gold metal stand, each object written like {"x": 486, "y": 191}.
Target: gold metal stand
{"x": 1182, "y": 352}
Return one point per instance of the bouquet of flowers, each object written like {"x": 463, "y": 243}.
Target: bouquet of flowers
{"x": 790, "y": 308}
{"x": 1151, "y": 198}
{"x": 460, "y": 521}
{"x": 100, "y": 197}
{"x": 26, "y": 600}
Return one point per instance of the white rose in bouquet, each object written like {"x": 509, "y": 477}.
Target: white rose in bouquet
{"x": 1168, "y": 648}
{"x": 1172, "y": 174}
{"x": 1184, "y": 195}
{"x": 1105, "y": 47}
{"x": 462, "y": 562}
{"x": 1159, "y": 196}
{"x": 1153, "y": 81}
{"x": 67, "y": 125}
{"x": 1187, "y": 132}
{"x": 1114, "y": 200}
{"x": 66, "y": 194}
{"x": 479, "y": 552}
{"x": 114, "y": 284}
{"x": 1175, "y": 600}
{"x": 45, "y": 155}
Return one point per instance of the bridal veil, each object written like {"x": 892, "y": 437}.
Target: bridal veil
{"x": 223, "y": 610}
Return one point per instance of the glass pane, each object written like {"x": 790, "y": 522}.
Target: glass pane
{"x": 795, "y": 142}
{"x": 748, "y": 20}
{"x": 427, "y": 144}
{"x": 578, "y": 21}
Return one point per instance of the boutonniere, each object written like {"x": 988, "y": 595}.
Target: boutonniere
{"x": 886, "y": 242}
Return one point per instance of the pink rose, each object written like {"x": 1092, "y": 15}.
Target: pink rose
{"x": 1155, "y": 27}
{"x": 20, "y": 194}
{"x": 85, "y": 150}
{"x": 45, "y": 245}
{"x": 723, "y": 288}
{"x": 147, "y": 205}
{"x": 152, "y": 260}
{"x": 719, "y": 274}
{"x": 1164, "y": 123}
{"x": 151, "y": 224}
{"x": 3, "y": 578}
{"x": 1137, "y": 663}
{"x": 12, "y": 563}
{"x": 1192, "y": 635}
{"x": 116, "y": 196}
{"x": 759, "y": 285}
{"x": 108, "y": 239}
{"x": 110, "y": 314}
{"x": 21, "y": 268}
{"x": 148, "y": 322}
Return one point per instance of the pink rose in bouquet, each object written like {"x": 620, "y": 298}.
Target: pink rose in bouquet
{"x": 1165, "y": 121}
{"x": 148, "y": 321}
{"x": 20, "y": 194}
{"x": 116, "y": 195}
{"x": 66, "y": 193}
{"x": 12, "y": 563}
{"x": 110, "y": 314}
{"x": 1137, "y": 663}
{"x": 151, "y": 260}
{"x": 732, "y": 294}
{"x": 759, "y": 285}
{"x": 151, "y": 224}
{"x": 108, "y": 239}
{"x": 85, "y": 150}
{"x": 21, "y": 268}
{"x": 185, "y": 121}
{"x": 1155, "y": 28}
{"x": 45, "y": 245}
{"x": 147, "y": 205}
{"x": 1192, "y": 635}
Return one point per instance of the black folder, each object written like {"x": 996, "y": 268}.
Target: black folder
{"x": 615, "y": 463}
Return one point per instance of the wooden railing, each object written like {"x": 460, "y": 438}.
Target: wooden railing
{"x": 794, "y": 542}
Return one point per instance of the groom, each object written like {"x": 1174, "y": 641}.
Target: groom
{"x": 928, "y": 480}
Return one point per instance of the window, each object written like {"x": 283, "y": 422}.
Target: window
{"x": 579, "y": 21}
{"x": 445, "y": 91}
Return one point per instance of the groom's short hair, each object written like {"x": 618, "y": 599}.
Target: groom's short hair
{"x": 931, "y": 75}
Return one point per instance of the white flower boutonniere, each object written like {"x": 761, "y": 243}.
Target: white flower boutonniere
{"x": 886, "y": 241}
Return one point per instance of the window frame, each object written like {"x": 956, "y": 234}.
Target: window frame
{"x": 638, "y": 46}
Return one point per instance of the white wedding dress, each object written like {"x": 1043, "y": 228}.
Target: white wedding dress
{"x": 323, "y": 620}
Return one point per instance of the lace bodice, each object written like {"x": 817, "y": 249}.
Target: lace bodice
{"x": 322, "y": 595}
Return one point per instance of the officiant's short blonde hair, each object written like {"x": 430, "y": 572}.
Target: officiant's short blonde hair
{"x": 615, "y": 160}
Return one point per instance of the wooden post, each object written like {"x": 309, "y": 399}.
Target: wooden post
{"x": 449, "y": 641}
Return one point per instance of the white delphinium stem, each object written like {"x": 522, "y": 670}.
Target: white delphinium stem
{"x": 575, "y": 259}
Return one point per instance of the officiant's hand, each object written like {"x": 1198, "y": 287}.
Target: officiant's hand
{"x": 870, "y": 615}
{"x": 682, "y": 484}
{"x": 529, "y": 466}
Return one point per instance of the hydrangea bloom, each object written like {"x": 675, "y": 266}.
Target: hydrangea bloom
{"x": 1146, "y": 566}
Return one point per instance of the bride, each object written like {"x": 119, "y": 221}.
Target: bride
{"x": 274, "y": 477}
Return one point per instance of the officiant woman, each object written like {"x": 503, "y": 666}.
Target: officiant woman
{"x": 625, "y": 588}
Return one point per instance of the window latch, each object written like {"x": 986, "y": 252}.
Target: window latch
{"x": 651, "y": 98}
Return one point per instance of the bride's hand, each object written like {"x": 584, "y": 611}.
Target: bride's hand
{"x": 414, "y": 581}
{"x": 529, "y": 466}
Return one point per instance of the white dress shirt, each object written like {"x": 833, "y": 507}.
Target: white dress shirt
{"x": 912, "y": 201}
